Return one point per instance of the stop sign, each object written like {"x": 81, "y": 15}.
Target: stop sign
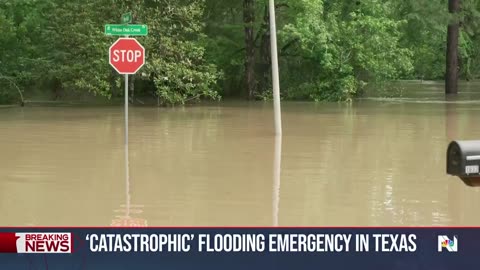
{"x": 127, "y": 56}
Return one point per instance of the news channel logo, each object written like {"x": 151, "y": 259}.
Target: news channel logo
{"x": 444, "y": 243}
{"x": 36, "y": 242}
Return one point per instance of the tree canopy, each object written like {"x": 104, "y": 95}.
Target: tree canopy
{"x": 203, "y": 49}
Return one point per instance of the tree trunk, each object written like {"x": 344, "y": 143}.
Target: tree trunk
{"x": 265, "y": 53}
{"x": 451, "y": 76}
{"x": 57, "y": 89}
{"x": 249, "y": 19}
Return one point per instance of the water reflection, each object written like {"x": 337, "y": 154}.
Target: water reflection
{"x": 451, "y": 124}
{"x": 128, "y": 209}
{"x": 277, "y": 164}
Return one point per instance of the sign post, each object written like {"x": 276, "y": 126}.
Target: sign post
{"x": 126, "y": 56}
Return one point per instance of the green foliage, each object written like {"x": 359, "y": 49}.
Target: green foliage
{"x": 470, "y": 39}
{"x": 347, "y": 45}
{"x": 328, "y": 49}
{"x": 62, "y": 44}
{"x": 177, "y": 53}
{"x": 20, "y": 23}
{"x": 425, "y": 34}
{"x": 6, "y": 97}
{"x": 77, "y": 51}
{"x": 224, "y": 43}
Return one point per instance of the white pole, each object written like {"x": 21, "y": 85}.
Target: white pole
{"x": 126, "y": 109}
{"x": 127, "y": 206}
{"x": 277, "y": 166}
{"x": 275, "y": 76}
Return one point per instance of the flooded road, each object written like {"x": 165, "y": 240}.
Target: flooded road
{"x": 377, "y": 162}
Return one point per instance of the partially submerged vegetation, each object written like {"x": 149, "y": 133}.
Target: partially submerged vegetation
{"x": 208, "y": 49}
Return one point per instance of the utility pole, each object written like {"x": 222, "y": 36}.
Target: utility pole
{"x": 275, "y": 76}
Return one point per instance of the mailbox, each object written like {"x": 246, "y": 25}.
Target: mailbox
{"x": 463, "y": 161}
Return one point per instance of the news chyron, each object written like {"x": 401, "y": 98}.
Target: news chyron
{"x": 36, "y": 242}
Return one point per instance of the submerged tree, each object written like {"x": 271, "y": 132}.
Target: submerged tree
{"x": 204, "y": 49}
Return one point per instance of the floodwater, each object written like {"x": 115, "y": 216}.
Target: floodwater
{"x": 376, "y": 162}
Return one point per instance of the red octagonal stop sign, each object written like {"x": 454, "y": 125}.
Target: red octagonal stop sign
{"x": 127, "y": 56}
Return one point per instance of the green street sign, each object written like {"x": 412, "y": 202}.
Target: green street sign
{"x": 127, "y": 18}
{"x": 126, "y": 30}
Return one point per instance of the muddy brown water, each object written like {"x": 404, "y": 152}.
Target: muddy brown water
{"x": 376, "y": 162}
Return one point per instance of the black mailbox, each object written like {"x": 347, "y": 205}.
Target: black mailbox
{"x": 463, "y": 160}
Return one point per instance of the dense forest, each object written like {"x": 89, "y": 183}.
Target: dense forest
{"x": 208, "y": 49}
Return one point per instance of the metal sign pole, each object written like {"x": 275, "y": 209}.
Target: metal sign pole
{"x": 127, "y": 175}
{"x": 127, "y": 165}
{"x": 126, "y": 109}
